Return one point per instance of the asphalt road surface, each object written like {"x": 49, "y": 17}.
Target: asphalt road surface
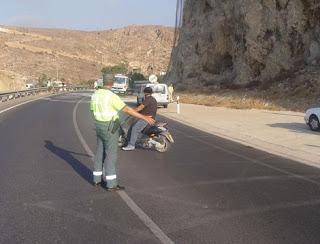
{"x": 204, "y": 190}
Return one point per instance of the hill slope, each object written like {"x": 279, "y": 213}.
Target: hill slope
{"x": 27, "y": 53}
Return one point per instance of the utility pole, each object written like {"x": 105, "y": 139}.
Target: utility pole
{"x": 14, "y": 80}
{"x": 153, "y": 54}
{"x": 154, "y": 43}
{"x": 57, "y": 71}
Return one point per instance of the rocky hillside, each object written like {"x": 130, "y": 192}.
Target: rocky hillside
{"x": 27, "y": 53}
{"x": 242, "y": 43}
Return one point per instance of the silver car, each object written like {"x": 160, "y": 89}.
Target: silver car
{"x": 160, "y": 93}
{"x": 312, "y": 118}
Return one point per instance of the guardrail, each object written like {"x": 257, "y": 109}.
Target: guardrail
{"x": 6, "y": 96}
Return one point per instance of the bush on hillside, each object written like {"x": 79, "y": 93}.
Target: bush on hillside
{"x": 137, "y": 76}
{"x": 116, "y": 69}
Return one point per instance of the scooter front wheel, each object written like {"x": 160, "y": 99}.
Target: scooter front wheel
{"x": 163, "y": 144}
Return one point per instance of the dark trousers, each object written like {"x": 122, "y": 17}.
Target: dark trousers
{"x": 107, "y": 154}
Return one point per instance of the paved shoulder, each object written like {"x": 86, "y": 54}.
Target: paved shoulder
{"x": 278, "y": 132}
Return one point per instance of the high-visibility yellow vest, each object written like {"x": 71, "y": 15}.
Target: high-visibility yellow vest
{"x": 105, "y": 105}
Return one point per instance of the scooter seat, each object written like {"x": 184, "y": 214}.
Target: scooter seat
{"x": 151, "y": 130}
{"x": 161, "y": 124}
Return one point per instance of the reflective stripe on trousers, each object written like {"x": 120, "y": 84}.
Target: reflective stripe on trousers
{"x": 111, "y": 177}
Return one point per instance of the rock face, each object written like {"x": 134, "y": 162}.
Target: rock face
{"x": 242, "y": 42}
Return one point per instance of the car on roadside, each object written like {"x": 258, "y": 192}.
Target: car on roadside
{"x": 160, "y": 93}
{"x": 312, "y": 118}
{"x": 30, "y": 86}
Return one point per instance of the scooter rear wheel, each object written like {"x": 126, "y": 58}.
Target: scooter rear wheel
{"x": 122, "y": 142}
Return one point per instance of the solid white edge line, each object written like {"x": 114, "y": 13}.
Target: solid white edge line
{"x": 29, "y": 101}
{"x": 20, "y": 104}
{"x": 153, "y": 227}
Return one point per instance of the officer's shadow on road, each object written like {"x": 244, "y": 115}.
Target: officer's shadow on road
{"x": 67, "y": 156}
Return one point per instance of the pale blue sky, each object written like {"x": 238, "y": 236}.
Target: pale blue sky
{"x": 87, "y": 14}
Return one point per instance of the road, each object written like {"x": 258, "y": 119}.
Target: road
{"x": 205, "y": 190}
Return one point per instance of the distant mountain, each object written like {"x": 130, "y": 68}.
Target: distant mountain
{"x": 28, "y": 53}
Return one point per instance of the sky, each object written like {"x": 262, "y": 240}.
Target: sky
{"x": 86, "y": 14}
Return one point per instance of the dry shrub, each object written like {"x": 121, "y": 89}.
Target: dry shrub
{"x": 228, "y": 99}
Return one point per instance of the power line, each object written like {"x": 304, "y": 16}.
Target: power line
{"x": 178, "y": 24}
{"x": 178, "y": 21}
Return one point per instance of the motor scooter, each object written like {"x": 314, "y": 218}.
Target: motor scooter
{"x": 156, "y": 137}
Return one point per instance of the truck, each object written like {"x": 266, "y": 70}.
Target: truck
{"x": 138, "y": 84}
{"x": 121, "y": 84}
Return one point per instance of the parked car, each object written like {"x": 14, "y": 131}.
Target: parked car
{"x": 160, "y": 93}
{"x": 312, "y": 118}
{"x": 30, "y": 86}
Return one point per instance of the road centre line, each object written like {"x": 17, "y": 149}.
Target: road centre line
{"x": 153, "y": 227}
{"x": 250, "y": 159}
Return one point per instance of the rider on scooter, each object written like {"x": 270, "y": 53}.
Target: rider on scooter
{"x": 148, "y": 108}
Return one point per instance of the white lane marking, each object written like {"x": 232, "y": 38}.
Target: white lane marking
{"x": 76, "y": 127}
{"x": 62, "y": 101}
{"x": 20, "y": 104}
{"x": 154, "y": 228}
{"x": 29, "y": 101}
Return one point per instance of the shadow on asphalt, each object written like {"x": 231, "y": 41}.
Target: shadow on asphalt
{"x": 284, "y": 114}
{"x": 295, "y": 127}
{"x": 67, "y": 156}
{"x": 312, "y": 145}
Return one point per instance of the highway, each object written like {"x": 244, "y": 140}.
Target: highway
{"x": 204, "y": 190}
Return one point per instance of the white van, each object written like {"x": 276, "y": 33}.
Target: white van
{"x": 160, "y": 93}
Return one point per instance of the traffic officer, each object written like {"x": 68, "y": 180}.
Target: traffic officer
{"x": 105, "y": 107}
